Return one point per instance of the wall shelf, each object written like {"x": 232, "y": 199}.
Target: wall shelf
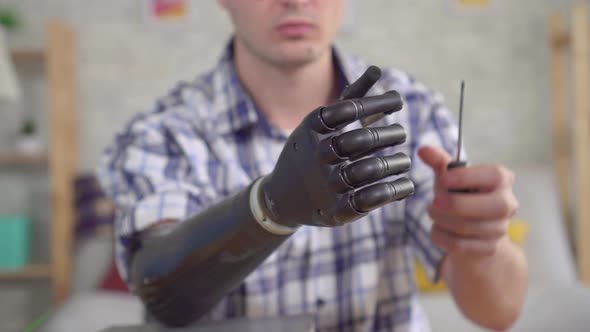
{"x": 16, "y": 159}
{"x": 59, "y": 59}
{"x": 28, "y": 55}
{"x": 29, "y": 272}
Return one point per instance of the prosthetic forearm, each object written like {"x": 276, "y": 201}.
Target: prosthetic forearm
{"x": 181, "y": 271}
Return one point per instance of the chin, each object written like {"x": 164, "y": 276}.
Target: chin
{"x": 298, "y": 52}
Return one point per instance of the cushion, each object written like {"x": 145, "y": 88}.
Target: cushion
{"x": 95, "y": 212}
{"x": 95, "y": 217}
{"x": 112, "y": 280}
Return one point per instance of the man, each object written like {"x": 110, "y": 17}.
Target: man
{"x": 240, "y": 196}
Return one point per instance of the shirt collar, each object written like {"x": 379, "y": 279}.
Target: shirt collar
{"x": 238, "y": 110}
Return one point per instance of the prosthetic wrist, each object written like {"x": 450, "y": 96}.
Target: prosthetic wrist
{"x": 182, "y": 271}
{"x": 263, "y": 215}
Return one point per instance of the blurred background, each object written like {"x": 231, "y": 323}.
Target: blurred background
{"x": 74, "y": 72}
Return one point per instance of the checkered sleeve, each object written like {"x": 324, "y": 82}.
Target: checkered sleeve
{"x": 431, "y": 123}
{"x": 145, "y": 172}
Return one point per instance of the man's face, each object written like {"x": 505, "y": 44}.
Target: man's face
{"x": 286, "y": 33}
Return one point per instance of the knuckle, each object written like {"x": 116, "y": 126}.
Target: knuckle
{"x": 504, "y": 175}
{"x": 328, "y": 153}
{"x": 496, "y": 232}
{"x": 508, "y": 206}
{"x": 498, "y": 173}
{"x": 511, "y": 177}
{"x": 515, "y": 204}
{"x": 338, "y": 181}
{"x": 500, "y": 229}
{"x": 504, "y": 227}
{"x": 505, "y": 207}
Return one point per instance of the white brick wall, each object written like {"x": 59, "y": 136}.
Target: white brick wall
{"x": 125, "y": 64}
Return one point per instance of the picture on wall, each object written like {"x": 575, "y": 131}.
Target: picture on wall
{"x": 166, "y": 11}
{"x": 472, "y": 6}
{"x": 474, "y": 3}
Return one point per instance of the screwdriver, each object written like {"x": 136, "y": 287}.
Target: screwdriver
{"x": 458, "y": 162}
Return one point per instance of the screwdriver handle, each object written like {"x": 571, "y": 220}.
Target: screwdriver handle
{"x": 458, "y": 164}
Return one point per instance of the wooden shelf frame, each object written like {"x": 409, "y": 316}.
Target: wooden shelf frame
{"x": 570, "y": 54}
{"x": 63, "y": 158}
{"x": 59, "y": 58}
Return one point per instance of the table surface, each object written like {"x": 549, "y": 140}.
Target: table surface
{"x": 300, "y": 323}
{"x": 548, "y": 308}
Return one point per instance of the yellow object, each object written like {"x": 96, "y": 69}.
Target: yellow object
{"x": 517, "y": 231}
{"x": 472, "y": 3}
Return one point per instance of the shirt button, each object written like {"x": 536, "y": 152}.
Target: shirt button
{"x": 320, "y": 302}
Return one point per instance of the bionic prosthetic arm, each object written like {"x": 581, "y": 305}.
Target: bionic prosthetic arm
{"x": 181, "y": 271}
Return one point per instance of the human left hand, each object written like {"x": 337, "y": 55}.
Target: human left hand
{"x": 469, "y": 224}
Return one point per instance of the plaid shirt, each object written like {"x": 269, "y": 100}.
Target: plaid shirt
{"x": 207, "y": 140}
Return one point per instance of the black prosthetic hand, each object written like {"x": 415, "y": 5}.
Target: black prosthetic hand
{"x": 182, "y": 270}
{"x": 319, "y": 179}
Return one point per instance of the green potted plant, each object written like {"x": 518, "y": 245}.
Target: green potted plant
{"x": 9, "y": 19}
{"x": 10, "y": 91}
{"x": 29, "y": 140}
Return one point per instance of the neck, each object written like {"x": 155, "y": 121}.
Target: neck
{"x": 286, "y": 95}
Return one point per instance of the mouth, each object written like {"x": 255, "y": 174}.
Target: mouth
{"x": 294, "y": 29}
